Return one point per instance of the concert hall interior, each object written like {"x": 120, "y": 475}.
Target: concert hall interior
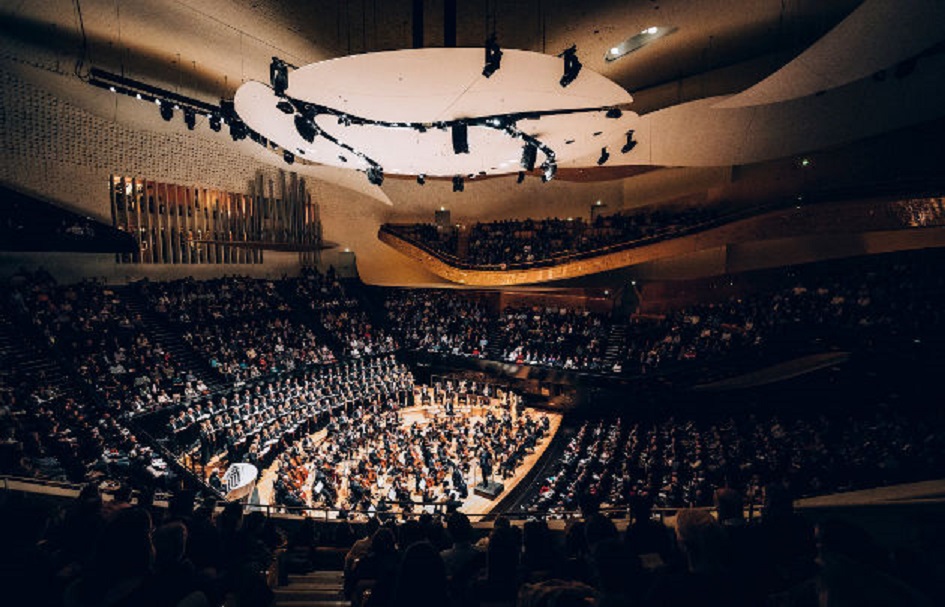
{"x": 472, "y": 303}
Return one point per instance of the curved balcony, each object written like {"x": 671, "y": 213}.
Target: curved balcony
{"x": 838, "y": 229}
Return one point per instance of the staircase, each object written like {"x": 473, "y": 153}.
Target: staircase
{"x": 616, "y": 341}
{"x": 160, "y": 330}
{"x": 315, "y": 589}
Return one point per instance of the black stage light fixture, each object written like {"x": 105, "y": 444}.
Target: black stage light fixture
{"x": 237, "y": 129}
{"x": 572, "y": 66}
{"x": 306, "y": 128}
{"x": 278, "y": 76}
{"x": 458, "y": 184}
{"x": 529, "y": 153}
{"x": 493, "y": 57}
{"x": 421, "y": 179}
{"x": 630, "y": 143}
{"x": 215, "y": 122}
{"x": 604, "y": 156}
{"x": 375, "y": 174}
{"x": 190, "y": 118}
{"x": 167, "y": 111}
{"x": 614, "y": 112}
{"x": 460, "y": 138}
{"x": 551, "y": 169}
{"x": 521, "y": 177}
{"x": 285, "y": 107}
{"x": 288, "y": 156}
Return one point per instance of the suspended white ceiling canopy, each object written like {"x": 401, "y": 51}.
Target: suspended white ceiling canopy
{"x": 408, "y": 88}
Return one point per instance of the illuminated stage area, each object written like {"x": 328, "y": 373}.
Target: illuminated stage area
{"x": 435, "y": 453}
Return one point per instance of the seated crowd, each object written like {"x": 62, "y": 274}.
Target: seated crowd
{"x": 517, "y": 243}
{"x": 886, "y": 296}
{"x": 676, "y": 462}
{"x": 553, "y": 337}
{"x": 128, "y": 552}
{"x": 342, "y": 315}
{"x": 439, "y": 321}
{"x": 106, "y": 343}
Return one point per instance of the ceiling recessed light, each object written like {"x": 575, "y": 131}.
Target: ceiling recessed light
{"x": 638, "y": 41}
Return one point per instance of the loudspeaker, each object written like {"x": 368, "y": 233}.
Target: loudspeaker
{"x": 490, "y": 490}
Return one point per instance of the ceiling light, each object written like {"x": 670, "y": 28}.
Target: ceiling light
{"x": 493, "y": 57}
{"x": 604, "y": 156}
{"x": 422, "y": 179}
{"x": 112, "y": 89}
{"x": 237, "y": 129}
{"x": 167, "y": 112}
{"x": 630, "y": 143}
{"x": 521, "y": 177}
{"x": 306, "y": 128}
{"x": 285, "y": 107}
{"x": 638, "y": 41}
{"x": 288, "y": 156}
{"x": 614, "y": 113}
{"x": 190, "y": 119}
{"x": 278, "y": 76}
{"x": 551, "y": 169}
{"x": 460, "y": 138}
{"x": 215, "y": 122}
{"x": 529, "y": 153}
{"x": 375, "y": 174}
{"x": 572, "y": 66}
{"x": 458, "y": 185}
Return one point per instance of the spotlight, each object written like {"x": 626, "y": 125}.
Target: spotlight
{"x": 460, "y": 140}
{"x": 278, "y": 76}
{"x": 285, "y": 107}
{"x": 215, "y": 122}
{"x": 190, "y": 119}
{"x": 421, "y": 179}
{"x": 306, "y": 128}
{"x": 375, "y": 174}
{"x": 493, "y": 57}
{"x": 551, "y": 169}
{"x": 529, "y": 152}
{"x": 572, "y": 66}
{"x": 604, "y": 156}
{"x": 458, "y": 185}
{"x": 521, "y": 177}
{"x": 630, "y": 143}
{"x": 288, "y": 156}
{"x": 614, "y": 113}
{"x": 237, "y": 129}
{"x": 167, "y": 112}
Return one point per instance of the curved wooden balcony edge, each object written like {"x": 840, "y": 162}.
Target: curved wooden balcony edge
{"x": 872, "y": 233}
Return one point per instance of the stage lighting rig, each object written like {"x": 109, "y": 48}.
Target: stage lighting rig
{"x": 306, "y": 128}
{"x": 630, "y": 143}
{"x": 572, "y": 66}
{"x": 493, "y": 57}
{"x": 604, "y": 156}
{"x": 375, "y": 174}
{"x": 279, "y": 76}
